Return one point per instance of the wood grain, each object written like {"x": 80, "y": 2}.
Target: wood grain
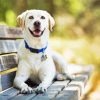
{"x": 52, "y": 91}
{"x": 7, "y": 80}
{"x": 8, "y": 46}
{"x": 74, "y": 89}
{"x": 8, "y": 61}
{"x": 59, "y": 90}
{"x": 8, "y": 94}
{"x": 8, "y": 32}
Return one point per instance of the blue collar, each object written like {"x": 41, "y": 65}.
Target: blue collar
{"x": 33, "y": 50}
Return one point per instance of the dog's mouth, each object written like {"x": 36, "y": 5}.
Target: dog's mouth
{"x": 36, "y": 32}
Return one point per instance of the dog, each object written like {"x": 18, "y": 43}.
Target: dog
{"x": 37, "y": 60}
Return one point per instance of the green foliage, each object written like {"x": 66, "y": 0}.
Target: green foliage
{"x": 76, "y": 7}
{"x": 81, "y": 51}
{"x": 10, "y": 18}
{"x": 75, "y": 19}
{"x": 4, "y": 6}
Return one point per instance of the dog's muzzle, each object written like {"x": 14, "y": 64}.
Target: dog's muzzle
{"x": 36, "y": 32}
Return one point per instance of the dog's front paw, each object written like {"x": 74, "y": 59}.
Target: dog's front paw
{"x": 26, "y": 90}
{"x": 40, "y": 89}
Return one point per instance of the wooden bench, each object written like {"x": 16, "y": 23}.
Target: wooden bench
{"x": 59, "y": 90}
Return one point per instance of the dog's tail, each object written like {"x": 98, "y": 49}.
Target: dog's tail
{"x": 73, "y": 71}
{"x": 77, "y": 69}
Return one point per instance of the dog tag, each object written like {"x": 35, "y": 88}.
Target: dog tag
{"x": 44, "y": 57}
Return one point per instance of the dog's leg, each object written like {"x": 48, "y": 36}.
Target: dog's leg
{"x": 22, "y": 75}
{"x": 44, "y": 84}
{"x": 61, "y": 67}
{"x": 68, "y": 70}
{"x": 46, "y": 76}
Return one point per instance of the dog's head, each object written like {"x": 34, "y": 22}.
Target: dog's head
{"x": 36, "y": 22}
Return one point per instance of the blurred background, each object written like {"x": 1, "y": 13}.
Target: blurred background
{"x": 76, "y": 34}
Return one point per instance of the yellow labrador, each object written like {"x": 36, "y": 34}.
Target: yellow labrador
{"x": 36, "y": 60}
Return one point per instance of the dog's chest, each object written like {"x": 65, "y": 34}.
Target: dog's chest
{"x": 35, "y": 60}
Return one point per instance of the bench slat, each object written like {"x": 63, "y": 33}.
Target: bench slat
{"x": 8, "y": 46}
{"x": 7, "y": 80}
{"x": 68, "y": 93}
{"x": 52, "y": 91}
{"x": 24, "y": 97}
{"x": 7, "y": 32}
{"x": 8, "y": 61}
{"x": 79, "y": 82}
{"x": 74, "y": 89}
{"x": 14, "y": 94}
{"x": 9, "y": 93}
{"x": 59, "y": 90}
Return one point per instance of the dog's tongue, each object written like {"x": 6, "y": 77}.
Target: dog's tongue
{"x": 37, "y": 32}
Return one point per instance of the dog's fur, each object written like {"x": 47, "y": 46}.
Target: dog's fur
{"x": 30, "y": 64}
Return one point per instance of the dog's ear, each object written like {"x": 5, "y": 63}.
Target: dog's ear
{"x": 21, "y": 19}
{"x": 51, "y": 21}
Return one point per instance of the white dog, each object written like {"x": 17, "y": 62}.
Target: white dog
{"x": 36, "y": 59}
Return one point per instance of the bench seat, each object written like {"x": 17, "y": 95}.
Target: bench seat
{"x": 59, "y": 90}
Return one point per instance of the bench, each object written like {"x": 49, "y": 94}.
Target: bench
{"x": 59, "y": 90}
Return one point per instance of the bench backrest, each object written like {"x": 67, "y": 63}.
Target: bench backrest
{"x": 9, "y": 41}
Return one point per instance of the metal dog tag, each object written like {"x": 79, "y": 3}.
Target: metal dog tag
{"x": 44, "y": 57}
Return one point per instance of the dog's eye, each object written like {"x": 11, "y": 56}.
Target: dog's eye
{"x": 31, "y": 17}
{"x": 42, "y": 17}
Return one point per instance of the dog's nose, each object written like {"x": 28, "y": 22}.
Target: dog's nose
{"x": 37, "y": 23}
